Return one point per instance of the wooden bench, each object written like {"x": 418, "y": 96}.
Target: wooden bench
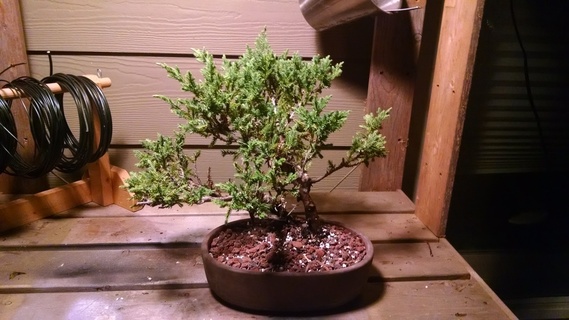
{"x": 97, "y": 262}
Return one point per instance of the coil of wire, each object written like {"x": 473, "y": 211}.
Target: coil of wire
{"x": 45, "y": 121}
{"x": 94, "y": 136}
{"x": 8, "y": 139}
{"x": 56, "y": 147}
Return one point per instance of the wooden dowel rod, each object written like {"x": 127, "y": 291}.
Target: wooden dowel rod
{"x": 8, "y": 93}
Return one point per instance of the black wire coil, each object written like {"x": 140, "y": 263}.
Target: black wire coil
{"x": 8, "y": 139}
{"x": 90, "y": 101}
{"x": 56, "y": 147}
{"x": 45, "y": 120}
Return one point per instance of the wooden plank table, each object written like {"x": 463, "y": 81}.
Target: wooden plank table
{"x": 109, "y": 263}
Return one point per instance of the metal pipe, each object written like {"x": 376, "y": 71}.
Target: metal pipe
{"x": 325, "y": 14}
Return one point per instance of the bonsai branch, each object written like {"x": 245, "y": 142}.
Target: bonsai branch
{"x": 332, "y": 168}
{"x": 203, "y": 199}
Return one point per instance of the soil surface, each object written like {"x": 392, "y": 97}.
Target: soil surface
{"x": 267, "y": 245}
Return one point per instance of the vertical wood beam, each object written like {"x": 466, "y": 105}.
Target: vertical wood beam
{"x": 101, "y": 181}
{"x": 458, "y": 39}
{"x": 397, "y": 39}
{"x": 12, "y": 42}
{"x": 13, "y": 53}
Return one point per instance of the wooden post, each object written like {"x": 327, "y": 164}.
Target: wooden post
{"x": 12, "y": 42}
{"x": 13, "y": 54}
{"x": 458, "y": 39}
{"x": 101, "y": 181}
{"x": 397, "y": 39}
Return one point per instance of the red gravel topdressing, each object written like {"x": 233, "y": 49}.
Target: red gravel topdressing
{"x": 256, "y": 247}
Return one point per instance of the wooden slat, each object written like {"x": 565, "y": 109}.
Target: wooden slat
{"x": 371, "y": 212}
{"x": 417, "y": 261}
{"x": 397, "y": 40}
{"x": 31, "y": 208}
{"x": 113, "y": 231}
{"x": 489, "y": 291}
{"x": 172, "y": 26}
{"x": 103, "y": 269}
{"x": 449, "y": 94}
{"x": 376, "y": 202}
{"x": 326, "y": 202}
{"x": 137, "y": 115}
{"x": 138, "y": 268}
{"x": 397, "y": 300}
{"x": 102, "y": 186}
{"x": 386, "y": 227}
{"x": 432, "y": 300}
{"x": 402, "y": 227}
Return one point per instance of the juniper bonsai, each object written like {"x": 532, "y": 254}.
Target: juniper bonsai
{"x": 269, "y": 112}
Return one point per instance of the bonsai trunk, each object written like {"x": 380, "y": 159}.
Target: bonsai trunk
{"x": 309, "y": 206}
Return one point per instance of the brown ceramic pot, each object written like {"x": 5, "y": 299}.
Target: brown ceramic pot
{"x": 284, "y": 291}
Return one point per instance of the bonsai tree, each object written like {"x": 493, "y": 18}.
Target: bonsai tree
{"x": 269, "y": 112}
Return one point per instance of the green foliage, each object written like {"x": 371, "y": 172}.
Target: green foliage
{"x": 369, "y": 143}
{"x": 270, "y": 107}
{"x": 166, "y": 178}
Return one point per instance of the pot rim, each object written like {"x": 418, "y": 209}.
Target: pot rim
{"x": 209, "y": 237}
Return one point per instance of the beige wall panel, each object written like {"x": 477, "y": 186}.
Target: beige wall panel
{"x": 222, "y": 167}
{"x": 138, "y": 116}
{"x": 173, "y": 26}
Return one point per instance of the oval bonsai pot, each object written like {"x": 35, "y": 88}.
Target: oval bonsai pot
{"x": 284, "y": 291}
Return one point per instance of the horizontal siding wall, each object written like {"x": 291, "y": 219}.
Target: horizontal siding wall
{"x": 171, "y": 26}
{"x": 126, "y": 39}
{"x": 501, "y": 133}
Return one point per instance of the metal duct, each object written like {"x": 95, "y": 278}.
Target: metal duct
{"x": 325, "y": 14}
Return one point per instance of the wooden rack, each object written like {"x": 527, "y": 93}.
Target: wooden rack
{"x": 100, "y": 184}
